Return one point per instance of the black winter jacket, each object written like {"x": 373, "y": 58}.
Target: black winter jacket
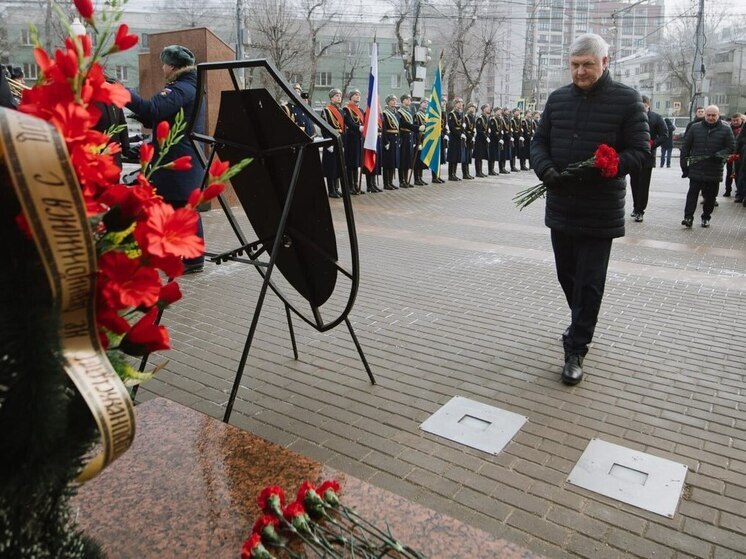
{"x": 658, "y": 133}
{"x": 180, "y": 93}
{"x": 712, "y": 141}
{"x": 574, "y": 123}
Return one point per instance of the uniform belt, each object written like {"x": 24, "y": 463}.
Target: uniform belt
{"x": 394, "y": 131}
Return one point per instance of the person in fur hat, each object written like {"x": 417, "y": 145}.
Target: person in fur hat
{"x": 180, "y": 92}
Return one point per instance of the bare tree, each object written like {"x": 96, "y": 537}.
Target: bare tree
{"x": 324, "y": 32}
{"x": 196, "y": 13}
{"x": 352, "y": 62}
{"x": 472, "y": 46}
{"x": 406, "y": 16}
{"x": 274, "y": 30}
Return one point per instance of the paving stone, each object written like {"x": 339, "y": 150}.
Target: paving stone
{"x": 458, "y": 296}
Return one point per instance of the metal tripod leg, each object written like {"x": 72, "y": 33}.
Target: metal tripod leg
{"x": 265, "y": 284}
{"x": 360, "y": 351}
{"x": 292, "y": 332}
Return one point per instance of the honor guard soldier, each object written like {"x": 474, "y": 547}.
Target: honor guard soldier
{"x": 299, "y": 115}
{"x": 390, "y": 158}
{"x": 353, "y": 139}
{"x": 482, "y": 141}
{"x": 506, "y": 135}
{"x": 456, "y": 138}
{"x": 408, "y": 131}
{"x": 421, "y": 119}
{"x": 443, "y": 138}
{"x": 517, "y": 145}
{"x": 333, "y": 115}
{"x": 519, "y": 142}
{"x": 470, "y": 122}
{"x": 493, "y": 135}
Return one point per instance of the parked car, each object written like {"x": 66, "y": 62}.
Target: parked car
{"x": 680, "y": 122}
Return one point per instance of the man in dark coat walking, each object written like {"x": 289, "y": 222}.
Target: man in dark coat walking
{"x": 179, "y": 93}
{"x": 706, "y": 147}
{"x": 585, "y": 211}
{"x": 640, "y": 181}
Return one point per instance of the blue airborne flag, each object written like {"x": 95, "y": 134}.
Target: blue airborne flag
{"x": 430, "y": 153}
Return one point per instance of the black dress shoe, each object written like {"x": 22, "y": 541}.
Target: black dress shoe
{"x": 492, "y": 174}
{"x": 572, "y": 372}
{"x": 418, "y": 182}
{"x": 468, "y": 177}
{"x": 481, "y": 176}
{"x": 335, "y": 194}
{"x": 194, "y": 268}
{"x": 687, "y": 222}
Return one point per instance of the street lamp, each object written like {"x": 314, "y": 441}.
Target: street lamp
{"x": 77, "y": 27}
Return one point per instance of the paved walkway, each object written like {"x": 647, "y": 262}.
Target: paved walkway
{"x": 458, "y": 297}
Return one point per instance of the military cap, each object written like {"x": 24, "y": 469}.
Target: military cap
{"x": 177, "y": 56}
{"x": 483, "y": 107}
{"x": 470, "y": 104}
{"x": 405, "y": 96}
{"x": 353, "y": 92}
{"x": 390, "y": 97}
{"x": 334, "y": 91}
{"x": 298, "y": 86}
{"x": 457, "y": 100}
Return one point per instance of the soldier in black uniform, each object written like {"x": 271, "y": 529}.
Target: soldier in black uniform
{"x": 408, "y": 131}
{"x": 470, "y": 122}
{"x": 506, "y": 140}
{"x": 333, "y": 115}
{"x": 493, "y": 147}
{"x": 298, "y": 114}
{"x": 390, "y": 158}
{"x": 353, "y": 140}
{"x": 456, "y": 138}
{"x": 482, "y": 140}
{"x": 420, "y": 118}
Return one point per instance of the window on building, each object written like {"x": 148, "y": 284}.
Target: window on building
{"x": 144, "y": 40}
{"x": 324, "y": 79}
{"x": 395, "y": 81}
{"x": 120, "y": 72}
{"x": 30, "y": 71}
{"x": 657, "y": 105}
{"x": 668, "y": 104}
{"x": 543, "y": 39}
{"x": 26, "y": 39}
{"x": 556, "y": 25}
{"x": 544, "y": 24}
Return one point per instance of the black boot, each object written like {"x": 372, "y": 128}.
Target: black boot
{"x": 418, "y": 178}
{"x": 503, "y": 170}
{"x": 513, "y": 168}
{"x": 465, "y": 171}
{"x": 452, "y": 172}
{"x": 391, "y": 180}
{"x": 491, "y": 168}
{"x": 403, "y": 179}
{"x": 436, "y": 178}
{"x": 478, "y": 168}
{"x": 351, "y": 182}
{"x": 524, "y": 166}
{"x": 572, "y": 372}
{"x": 331, "y": 189}
{"x": 386, "y": 184}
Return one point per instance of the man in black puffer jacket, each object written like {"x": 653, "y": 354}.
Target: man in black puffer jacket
{"x": 706, "y": 147}
{"x": 584, "y": 210}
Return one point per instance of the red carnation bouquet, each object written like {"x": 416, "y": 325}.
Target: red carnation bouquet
{"x": 140, "y": 239}
{"x": 319, "y": 523}
{"x": 605, "y": 159}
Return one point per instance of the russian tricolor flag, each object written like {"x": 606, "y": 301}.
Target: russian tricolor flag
{"x": 370, "y": 127}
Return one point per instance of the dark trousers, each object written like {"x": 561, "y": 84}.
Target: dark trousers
{"x": 581, "y": 264}
{"x": 666, "y": 156}
{"x": 640, "y": 184}
{"x": 709, "y": 191}
{"x": 728, "y": 177}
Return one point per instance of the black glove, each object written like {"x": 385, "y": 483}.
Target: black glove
{"x": 551, "y": 178}
{"x": 575, "y": 172}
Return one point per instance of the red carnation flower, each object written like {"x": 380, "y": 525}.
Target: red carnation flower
{"x": 267, "y": 526}
{"x": 253, "y": 549}
{"x": 125, "y": 282}
{"x": 166, "y": 231}
{"x": 85, "y": 8}
{"x": 218, "y": 168}
{"x": 123, "y": 40}
{"x": 145, "y": 336}
{"x": 183, "y": 163}
{"x": 161, "y": 132}
{"x": 606, "y": 159}
{"x": 271, "y": 500}
{"x": 146, "y": 154}
{"x": 170, "y": 293}
{"x": 329, "y": 491}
